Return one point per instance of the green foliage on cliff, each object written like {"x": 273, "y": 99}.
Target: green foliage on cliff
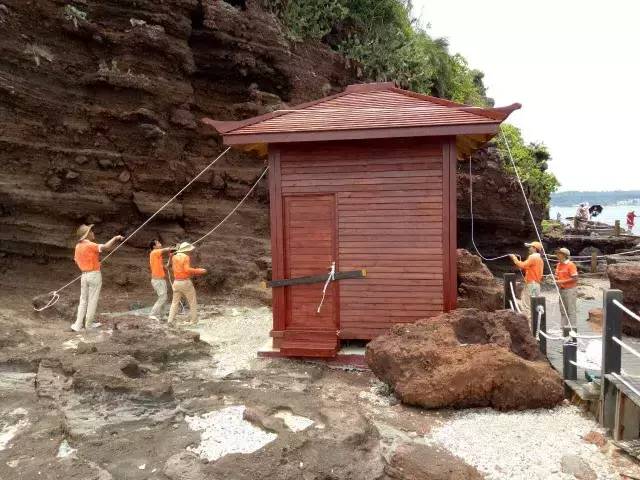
{"x": 531, "y": 160}
{"x": 387, "y": 42}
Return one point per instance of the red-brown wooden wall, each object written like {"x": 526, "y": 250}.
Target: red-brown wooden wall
{"x": 394, "y": 216}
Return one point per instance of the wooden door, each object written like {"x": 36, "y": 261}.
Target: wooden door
{"x": 309, "y": 222}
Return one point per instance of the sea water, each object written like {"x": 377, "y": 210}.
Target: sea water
{"x": 610, "y": 214}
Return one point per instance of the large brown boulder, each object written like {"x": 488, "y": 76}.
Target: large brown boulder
{"x": 626, "y": 277}
{"x": 466, "y": 358}
{"x": 477, "y": 287}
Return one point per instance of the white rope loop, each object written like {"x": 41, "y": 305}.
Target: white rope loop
{"x": 550, "y": 337}
{"x": 626, "y": 310}
{"x": 104, "y": 259}
{"x": 330, "y": 278}
{"x": 52, "y": 301}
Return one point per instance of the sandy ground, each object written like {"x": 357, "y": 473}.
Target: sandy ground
{"x": 141, "y": 401}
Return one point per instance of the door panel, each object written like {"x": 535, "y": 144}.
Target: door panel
{"x": 309, "y": 223}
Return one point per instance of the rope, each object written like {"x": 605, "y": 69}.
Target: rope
{"x": 55, "y": 293}
{"x": 626, "y": 384}
{"x": 264, "y": 172}
{"x": 549, "y": 337}
{"x": 586, "y": 366}
{"x": 540, "y": 310}
{"x": 626, "y": 347}
{"x": 533, "y": 221}
{"x": 626, "y": 310}
{"x": 473, "y": 241}
{"x": 515, "y": 301}
{"x": 330, "y": 278}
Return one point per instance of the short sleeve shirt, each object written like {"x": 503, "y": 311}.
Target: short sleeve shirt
{"x": 567, "y": 271}
{"x": 155, "y": 263}
{"x": 87, "y": 256}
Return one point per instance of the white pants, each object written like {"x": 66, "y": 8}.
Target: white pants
{"x": 530, "y": 290}
{"x": 160, "y": 286}
{"x": 184, "y": 289}
{"x": 569, "y": 298}
{"x": 90, "y": 285}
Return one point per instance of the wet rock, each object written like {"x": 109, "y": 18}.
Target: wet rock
{"x": 626, "y": 277}
{"x": 477, "y": 287}
{"x": 420, "y": 462}
{"x": 576, "y": 466}
{"x": 261, "y": 420}
{"x": 466, "y": 358}
{"x": 63, "y": 309}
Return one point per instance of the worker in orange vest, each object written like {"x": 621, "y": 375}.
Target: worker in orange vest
{"x": 87, "y": 257}
{"x": 158, "y": 277}
{"x": 182, "y": 284}
{"x": 567, "y": 280}
{"x": 533, "y": 268}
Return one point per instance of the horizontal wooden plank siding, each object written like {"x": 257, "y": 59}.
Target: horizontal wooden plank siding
{"x": 388, "y": 220}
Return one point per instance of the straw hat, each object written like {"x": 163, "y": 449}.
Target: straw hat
{"x": 185, "y": 247}
{"x": 536, "y": 245}
{"x": 83, "y": 231}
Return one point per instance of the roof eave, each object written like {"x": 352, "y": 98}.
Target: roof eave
{"x": 362, "y": 134}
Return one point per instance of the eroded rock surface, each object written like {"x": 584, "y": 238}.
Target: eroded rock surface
{"x": 477, "y": 287}
{"x": 626, "y": 277}
{"x": 466, "y": 358}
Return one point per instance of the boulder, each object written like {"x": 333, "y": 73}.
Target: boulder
{"x": 420, "y": 462}
{"x": 466, "y": 358}
{"x": 626, "y": 277}
{"x": 477, "y": 287}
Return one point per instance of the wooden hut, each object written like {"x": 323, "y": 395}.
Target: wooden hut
{"x": 364, "y": 180}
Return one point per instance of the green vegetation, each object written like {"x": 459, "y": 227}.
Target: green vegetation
{"x": 387, "y": 43}
{"x": 532, "y": 162}
{"x": 552, "y": 229}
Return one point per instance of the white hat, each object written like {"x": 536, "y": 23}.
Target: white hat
{"x": 185, "y": 247}
{"x": 564, "y": 251}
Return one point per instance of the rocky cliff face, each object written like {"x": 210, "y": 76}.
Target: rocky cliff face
{"x": 501, "y": 220}
{"x": 100, "y": 102}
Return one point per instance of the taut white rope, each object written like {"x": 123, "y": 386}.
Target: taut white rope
{"x": 264, "y": 172}
{"x": 55, "y": 293}
{"x": 330, "y": 278}
{"x": 626, "y": 310}
{"x": 535, "y": 227}
{"x": 628, "y": 348}
{"x": 627, "y": 384}
{"x": 549, "y": 337}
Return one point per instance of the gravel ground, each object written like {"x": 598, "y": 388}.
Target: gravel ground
{"x": 237, "y": 333}
{"x": 521, "y": 445}
{"x": 225, "y": 431}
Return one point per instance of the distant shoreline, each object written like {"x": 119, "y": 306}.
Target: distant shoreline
{"x": 609, "y": 198}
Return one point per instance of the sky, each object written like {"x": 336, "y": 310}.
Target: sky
{"x": 573, "y": 65}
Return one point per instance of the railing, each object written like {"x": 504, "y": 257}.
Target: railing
{"x": 615, "y": 382}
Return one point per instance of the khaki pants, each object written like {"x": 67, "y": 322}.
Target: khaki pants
{"x": 90, "y": 285}
{"x": 184, "y": 289}
{"x": 160, "y": 287}
{"x": 530, "y": 290}
{"x": 569, "y": 298}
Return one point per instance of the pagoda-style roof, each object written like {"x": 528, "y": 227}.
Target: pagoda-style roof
{"x": 367, "y": 111}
